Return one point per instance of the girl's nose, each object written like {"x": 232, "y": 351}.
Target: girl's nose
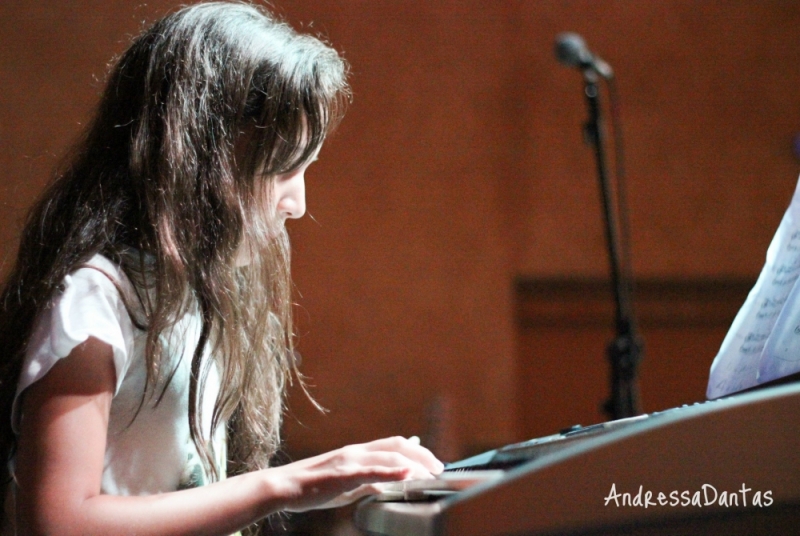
{"x": 293, "y": 208}
{"x": 292, "y": 198}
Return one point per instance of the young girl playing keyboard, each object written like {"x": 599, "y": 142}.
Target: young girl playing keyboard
{"x": 146, "y": 325}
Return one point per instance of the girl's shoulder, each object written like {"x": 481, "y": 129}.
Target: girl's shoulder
{"x": 89, "y": 302}
{"x": 95, "y": 289}
{"x": 102, "y": 272}
{"x": 103, "y": 275}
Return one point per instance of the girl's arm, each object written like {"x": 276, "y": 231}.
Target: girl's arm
{"x": 60, "y": 459}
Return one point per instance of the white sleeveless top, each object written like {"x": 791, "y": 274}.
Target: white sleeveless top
{"x": 149, "y": 448}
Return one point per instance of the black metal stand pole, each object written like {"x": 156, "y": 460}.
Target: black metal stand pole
{"x": 624, "y": 352}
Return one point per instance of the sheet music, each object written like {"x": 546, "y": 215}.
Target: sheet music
{"x": 763, "y": 342}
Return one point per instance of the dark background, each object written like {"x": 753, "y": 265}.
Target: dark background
{"x": 459, "y": 177}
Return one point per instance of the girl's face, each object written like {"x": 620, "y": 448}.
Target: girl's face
{"x": 288, "y": 201}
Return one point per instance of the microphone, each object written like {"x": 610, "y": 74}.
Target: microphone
{"x": 571, "y": 50}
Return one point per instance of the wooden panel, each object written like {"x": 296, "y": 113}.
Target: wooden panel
{"x": 565, "y": 325}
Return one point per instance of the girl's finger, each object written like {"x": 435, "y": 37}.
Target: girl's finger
{"x": 392, "y": 459}
{"x": 409, "y": 448}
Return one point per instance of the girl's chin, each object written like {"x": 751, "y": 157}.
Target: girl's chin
{"x": 243, "y": 254}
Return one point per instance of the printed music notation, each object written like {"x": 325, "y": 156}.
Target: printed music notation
{"x": 763, "y": 343}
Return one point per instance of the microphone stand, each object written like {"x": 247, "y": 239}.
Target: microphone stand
{"x": 625, "y": 351}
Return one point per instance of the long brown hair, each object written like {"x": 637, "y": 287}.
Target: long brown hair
{"x": 156, "y": 173}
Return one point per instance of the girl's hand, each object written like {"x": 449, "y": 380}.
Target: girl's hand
{"x": 344, "y": 475}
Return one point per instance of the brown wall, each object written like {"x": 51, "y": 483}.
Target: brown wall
{"x": 460, "y": 166}
{"x": 710, "y": 108}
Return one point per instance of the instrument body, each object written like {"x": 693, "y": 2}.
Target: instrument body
{"x": 699, "y": 452}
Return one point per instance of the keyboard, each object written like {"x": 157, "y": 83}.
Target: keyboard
{"x": 561, "y": 483}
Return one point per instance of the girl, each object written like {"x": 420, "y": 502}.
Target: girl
{"x": 146, "y": 326}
